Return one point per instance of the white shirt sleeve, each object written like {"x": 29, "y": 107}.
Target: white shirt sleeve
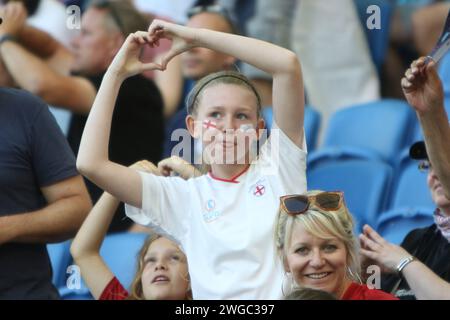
{"x": 282, "y": 158}
{"x": 165, "y": 203}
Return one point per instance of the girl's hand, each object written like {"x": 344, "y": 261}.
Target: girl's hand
{"x": 146, "y": 166}
{"x": 179, "y": 166}
{"x": 183, "y": 38}
{"x": 422, "y": 86}
{"x": 373, "y": 246}
{"x": 127, "y": 61}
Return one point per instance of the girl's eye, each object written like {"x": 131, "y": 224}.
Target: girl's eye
{"x": 176, "y": 257}
{"x": 215, "y": 115}
{"x": 242, "y": 116}
{"x": 149, "y": 260}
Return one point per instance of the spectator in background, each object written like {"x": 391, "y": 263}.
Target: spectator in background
{"x": 424, "y": 283}
{"x": 49, "y": 16}
{"x": 429, "y": 245}
{"x": 315, "y": 241}
{"x": 139, "y": 107}
{"x": 43, "y": 199}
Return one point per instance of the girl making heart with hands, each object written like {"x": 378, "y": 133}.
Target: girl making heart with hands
{"x": 224, "y": 220}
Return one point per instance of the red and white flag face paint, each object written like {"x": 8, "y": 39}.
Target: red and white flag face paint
{"x": 246, "y": 127}
{"x": 209, "y": 124}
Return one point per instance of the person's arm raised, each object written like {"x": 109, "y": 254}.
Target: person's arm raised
{"x": 423, "y": 90}
{"x": 85, "y": 248}
{"x": 93, "y": 162}
{"x": 282, "y": 64}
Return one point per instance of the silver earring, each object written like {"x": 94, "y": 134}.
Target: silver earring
{"x": 353, "y": 276}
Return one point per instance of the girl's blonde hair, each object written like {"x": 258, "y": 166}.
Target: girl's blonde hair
{"x": 322, "y": 224}
{"x": 221, "y": 77}
{"x": 136, "y": 290}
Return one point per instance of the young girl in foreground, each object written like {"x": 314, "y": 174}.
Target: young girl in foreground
{"x": 162, "y": 272}
{"x": 224, "y": 220}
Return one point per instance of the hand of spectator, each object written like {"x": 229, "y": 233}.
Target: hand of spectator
{"x": 422, "y": 86}
{"x": 146, "y": 166}
{"x": 374, "y": 247}
{"x": 179, "y": 166}
{"x": 14, "y": 16}
{"x": 127, "y": 61}
{"x": 183, "y": 39}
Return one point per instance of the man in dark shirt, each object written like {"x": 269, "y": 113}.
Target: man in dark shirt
{"x": 429, "y": 245}
{"x": 42, "y": 197}
{"x": 137, "y": 130}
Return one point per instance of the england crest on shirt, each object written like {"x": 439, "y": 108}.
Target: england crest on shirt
{"x": 258, "y": 189}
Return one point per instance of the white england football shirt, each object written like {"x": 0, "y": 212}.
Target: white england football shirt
{"x": 226, "y": 228}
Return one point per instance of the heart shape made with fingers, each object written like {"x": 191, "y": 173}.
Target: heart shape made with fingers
{"x": 182, "y": 39}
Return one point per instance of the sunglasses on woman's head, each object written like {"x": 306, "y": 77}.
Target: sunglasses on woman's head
{"x": 299, "y": 204}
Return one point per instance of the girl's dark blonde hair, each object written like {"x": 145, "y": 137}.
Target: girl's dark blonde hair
{"x": 136, "y": 290}
{"x": 322, "y": 224}
{"x": 221, "y": 77}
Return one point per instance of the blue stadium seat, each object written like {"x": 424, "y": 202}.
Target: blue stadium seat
{"x": 394, "y": 225}
{"x": 365, "y": 184}
{"x": 332, "y": 154}
{"x": 378, "y": 39}
{"x": 312, "y": 124}
{"x": 120, "y": 253}
{"x": 59, "y": 254}
{"x": 410, "y": 189}
{"x": 382, "y": 127}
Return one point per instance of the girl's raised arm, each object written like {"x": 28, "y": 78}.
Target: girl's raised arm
{"x": 93, "y": 162}
{"x": 85, "y": 248}
{"x": 288, "y": 93}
